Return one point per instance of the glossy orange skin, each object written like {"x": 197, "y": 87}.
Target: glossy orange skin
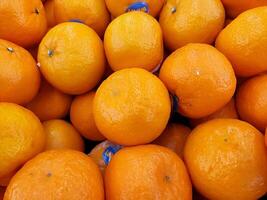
{"x": 2, "y": 192}
{"x": 50, "y": 103}
{"x": 242, "y": 45}
{"x": 50, "y": 13}
{"x": 134, "y": 39}
{"x": 62, "y": 135}
{"x": 22, "y": 22}
{"x": 174, "y": 137}
{"x": 200, "y": 87}
{"x": 22, "y": 137}
{"x": 72, "y": 74}
{"x": 165, "y": 175}
{"x": 191, "y": 21}
{"x": 251, "y": 101}
{"x": 81, "y": 116}
{"x": 57, "y": 175}
{"x": 131, "y": 107}
{"x": 19, "y": 75}
{"x": 227, "y": 160}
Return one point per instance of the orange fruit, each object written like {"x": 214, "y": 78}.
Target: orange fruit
{"x": 90, "y": 12}
{"x": 22, "y": 137}
{"x": 117, "y": 8}
{"x": 227, "y": 22}
{"x": 174, "y": 137}
{"x": 4, "y": 181}
{"x": 131, "y": 107}
{"x": 228, "y": 111}
{"x": 19, "y": 75}
{"x": 251, "y": 101}
{"x": 22, "y": 21}
{"x": 227, "y": 159}
{"x": 2, "y": 192}
{"x": 57, "y": 175}
{"x": 191, "y": 21}
{"x": 50, "y": 13}
{"x": 147, "y": 172}
{"x": 62, "y": 135}
{"x": 134, "y": 39}
{"x": 244, "y": 46}
{"x": 200, "y": 87}
{"x": 50, "y": 103}
{"x": 81, "y": 116}
{"x": 72, "y": 58}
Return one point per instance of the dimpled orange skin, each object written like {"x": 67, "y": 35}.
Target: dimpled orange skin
{"x": 174, "y": 137}
{"x": 201, "y": 77}
{"x": 22, "y": 22}
{"x": 131, "y": 107}
{"x": 165, "y": 175}
{"x": 22, "y": 137}
{"x": 227, "y": 160}
{"x": 117, "y": 8}
{"x": 57, "y": 175}
{"x": 90, "y": 12}
{"x": 50, "y": 13}
{"x": 245, "y": 46}
{"x": 81, "y": 116}
{"x": 134, "y": 39}
{"x": 72, "y": 58}
{"x": 50, "y": 103}
{"x": 191, "y": 21}
{"x": 19, "y": 75}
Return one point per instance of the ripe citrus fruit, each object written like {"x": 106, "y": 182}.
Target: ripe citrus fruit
{"x": 174, "y": 137}
{"x": 147, "y": 172}
{"x": 81, "y": 116}
{"x": 62, "y": 135}
{"x": 191, "y": 21}
{"x": 227, "y": 160}
{"x": 200, "y": 87}
{"x": 22, "y": 137}
{"x": 57, "y": 175}
{"x": 19, "y": 75}
{"x": 22, "y": 21}
{"x": 134, "y": 39}
{"x": 131, "y": 107}
{"x": 117, "y": 8}
{"x": 50, "y": 103}
{"x": 2, "y": 192}
{"x": 245, "y": 46}
{"x": 50, "y": 13}
{"x": 251, "y": 101}
{"x": 72, "y": 57}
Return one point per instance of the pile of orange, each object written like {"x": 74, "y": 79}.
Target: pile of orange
{"x": 133, "y": 99}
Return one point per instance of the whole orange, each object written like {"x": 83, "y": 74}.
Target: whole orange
{"x": 57, "y": 175}
{"x": 191, "y": 75}
{"x": 227, "y": 160}
{"x": 191, "y": 21}
{"x": 134, "y": 39}
{"x": 72, "y": 58}
{"x": 50, "y": 13}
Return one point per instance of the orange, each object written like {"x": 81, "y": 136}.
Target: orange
{"x": 19, "y": 75}
{"x": 251, "y": 101}
{"x": 227, "y": 160}
{"x": 134, "y": 39}
{"x": 228, "y": 111}
{"x": 57, "y": 175}
{"x": 4, "y": 181}
{"x": 90, "y": 12}
{"x": 22, "y": 137}
{"x": 191, "y": 21}
{"x": 22, "y": 21}
{"x": 174, "y": 137}
{"x": 50, "y": 13}
{"x": 72, "y": 58}
{"x": 227, "y": 22}
{"x": 81, "y": 116}
{"x": 147, "y": 172}
{"x": 200, "y": 87}
{"x": 62, "y": 135}
{"x": 50, "y": 103}
{"x": 234, "y": 8}
{"x": 131, "y": 107}
{"x": 117, "y": 8}
{"x": 2, "y": 192}
{"x": 245, "y": 46}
